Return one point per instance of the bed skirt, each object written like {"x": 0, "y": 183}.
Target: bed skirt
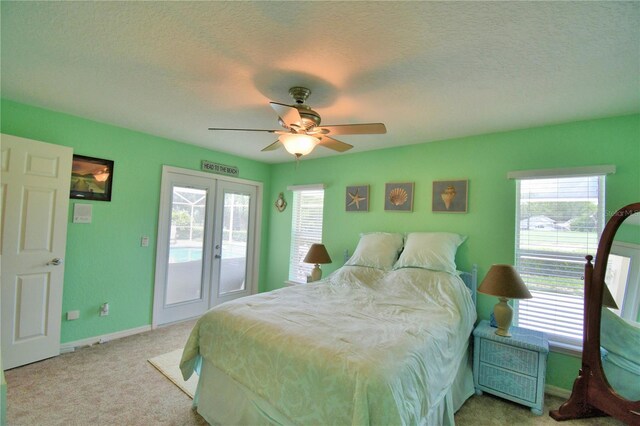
{"x": 220, "y": 400}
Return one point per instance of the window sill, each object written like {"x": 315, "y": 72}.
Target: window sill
{"x": 565, "y": 349}
{"x": 291, "y": 283}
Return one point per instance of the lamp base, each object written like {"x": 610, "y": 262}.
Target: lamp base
{"x": 316, "y": 273}
{"x": 503, "y": 314}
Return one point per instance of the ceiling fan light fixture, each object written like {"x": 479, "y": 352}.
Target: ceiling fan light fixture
{"x": 302, "y": 131}
{"x": 298, "y": 144}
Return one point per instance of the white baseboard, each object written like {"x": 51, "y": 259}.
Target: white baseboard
{"x": 71, "y": 346}
{"x": 556, "y": 391}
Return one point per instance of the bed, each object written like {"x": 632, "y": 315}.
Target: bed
{"x": 382, "y": 340}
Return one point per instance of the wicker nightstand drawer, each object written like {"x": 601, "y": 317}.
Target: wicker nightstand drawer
{"x": 516, "y": 359}
{"x": 504, "y": 381}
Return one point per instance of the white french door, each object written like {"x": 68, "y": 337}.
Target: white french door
{"x": 184, "y": 244}
{"x": 207, "y": 243}
{"x": 234, "y": 240}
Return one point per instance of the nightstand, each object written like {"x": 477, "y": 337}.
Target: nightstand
{"x": 514, "y": 367}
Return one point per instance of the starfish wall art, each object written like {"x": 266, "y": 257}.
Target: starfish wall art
{"x": 357, "y": 198}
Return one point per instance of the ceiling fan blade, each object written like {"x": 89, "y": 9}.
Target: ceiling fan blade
{"x": 273, "y": 146}
{"x": 354, "y": 129}
{"x": 244, "y": 130}
{"x": 288, "y": 114}
{"x": 334, "y": 144}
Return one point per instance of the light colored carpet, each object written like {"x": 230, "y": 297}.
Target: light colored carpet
{"x": 110, "y": 384}
{"x": 169, "y": 365}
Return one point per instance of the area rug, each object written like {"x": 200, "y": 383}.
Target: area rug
{"x": 169, "y": 365}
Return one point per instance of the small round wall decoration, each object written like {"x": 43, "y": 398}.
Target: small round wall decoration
{"x": 280, "y": 203}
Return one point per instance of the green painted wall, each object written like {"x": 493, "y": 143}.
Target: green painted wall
{"x": 483, "y": 160}
{"x": 3, "y": 397}
{"x": 628, "y": 233}
{"x": 104, "y": 261}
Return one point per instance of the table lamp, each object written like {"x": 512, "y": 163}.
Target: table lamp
{"x": 317, "y": 254}
{"x": 504, "y": 282}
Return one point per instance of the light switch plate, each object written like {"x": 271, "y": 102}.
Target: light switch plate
{"x": 82, "y": 213}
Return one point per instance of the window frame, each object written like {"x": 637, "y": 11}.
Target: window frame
{"x": 558, "y": 342}
{"x": 297, "y": 251}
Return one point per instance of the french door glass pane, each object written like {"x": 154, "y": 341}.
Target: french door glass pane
{"x": 184, "y": 271}
{"x": 235, "y": 227}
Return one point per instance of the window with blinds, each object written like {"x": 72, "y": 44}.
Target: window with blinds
{"x": 558, "y": 222}
{"x": 306, "y": 228}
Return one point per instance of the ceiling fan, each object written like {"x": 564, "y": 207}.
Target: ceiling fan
{"x": 302, "y": 130}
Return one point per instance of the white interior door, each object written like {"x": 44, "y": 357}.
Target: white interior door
{"x": 207, "y": 243}
{"x": 34, "y": 200}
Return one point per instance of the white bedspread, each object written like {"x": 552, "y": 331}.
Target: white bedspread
{"x": 360, "y": 347}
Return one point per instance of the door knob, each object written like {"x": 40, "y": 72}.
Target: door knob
{"x": 55, "y": 261}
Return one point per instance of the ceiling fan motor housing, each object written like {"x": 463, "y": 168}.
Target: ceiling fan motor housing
{"x": 310, "y": 118}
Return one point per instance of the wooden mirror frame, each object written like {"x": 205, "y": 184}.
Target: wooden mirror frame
{"x": 592, "y": 396}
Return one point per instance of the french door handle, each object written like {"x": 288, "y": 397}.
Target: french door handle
{"x": 55, "y": 261}
{"x": 217, "y": 256}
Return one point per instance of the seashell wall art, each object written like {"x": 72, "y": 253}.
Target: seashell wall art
{"x": 450, "y": 196}
{"x": 398, "y": 197}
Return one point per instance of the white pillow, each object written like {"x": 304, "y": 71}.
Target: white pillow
{"x": 430, "y": 250}
{"x": 377, "y": 250}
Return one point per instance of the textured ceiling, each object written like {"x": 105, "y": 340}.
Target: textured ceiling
{"x": 428, "y": 70}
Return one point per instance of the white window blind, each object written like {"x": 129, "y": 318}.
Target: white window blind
{"x": 558, "y": 222}
{"x": 306, "y": 229}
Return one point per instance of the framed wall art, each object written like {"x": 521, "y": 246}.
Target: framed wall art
{"x": 450, "y": 196}
{"x": 91, "y": 178}
{"x": 398, "y": 197}
{"x": 357, "y": 198}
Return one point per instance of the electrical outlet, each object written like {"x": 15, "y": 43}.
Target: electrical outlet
{"x": 144, "y": 241}
{"x": 73, "y": 315}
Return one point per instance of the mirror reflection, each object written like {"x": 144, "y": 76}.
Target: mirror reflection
{"x": 620, "y": 321}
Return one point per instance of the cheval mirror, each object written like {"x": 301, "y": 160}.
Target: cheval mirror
{"x": 609, "y": 381}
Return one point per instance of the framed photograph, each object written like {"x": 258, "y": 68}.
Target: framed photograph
{"x": 450, "y": 196}
{"x": 357, "y": 198}
{"x": 91, "y": 178}
{"x": 398, "y": 197}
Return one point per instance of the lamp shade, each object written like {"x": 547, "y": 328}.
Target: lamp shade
{"x": 317, "y": 254}
{"x": 504, "y": 281}
{"x": 298, "y": 144}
